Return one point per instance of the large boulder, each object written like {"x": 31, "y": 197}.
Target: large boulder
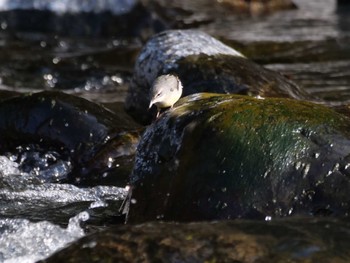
{"x": 301, "y": 241}
{"x": 227, "y": 156}
{"x": 203, "y": 64}
{"x": 99, "y": 143}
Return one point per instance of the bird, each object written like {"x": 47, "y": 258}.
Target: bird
{"x": 166, "y": 90}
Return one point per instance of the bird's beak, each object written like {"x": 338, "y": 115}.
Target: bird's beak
{"x": 150, "y": 104}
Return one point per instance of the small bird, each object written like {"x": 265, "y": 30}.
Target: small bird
{"x": 165, "y": 91}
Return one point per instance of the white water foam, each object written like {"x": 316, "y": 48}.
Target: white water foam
{"x": 24, "y": 197}
{"x": 26, "y": 242}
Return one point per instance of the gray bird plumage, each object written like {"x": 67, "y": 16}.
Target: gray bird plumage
{"x": 165, "y": 92}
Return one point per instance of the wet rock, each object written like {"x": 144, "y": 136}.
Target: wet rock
{"x": 100, "y": 144}
{"x": 203, "y": 64}
{"x": 256, "y": 7}
{"x": 5, "y": 94}
{"x": 184, "y": 14}
{"x": 217, "y": 157}
{"x": 233, "y": 241}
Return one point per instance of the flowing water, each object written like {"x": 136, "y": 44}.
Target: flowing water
{"x": 311, "y": 45}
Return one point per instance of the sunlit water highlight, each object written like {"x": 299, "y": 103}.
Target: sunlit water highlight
{"x": 24, "y": 241}
{"x": 23, "y": 197}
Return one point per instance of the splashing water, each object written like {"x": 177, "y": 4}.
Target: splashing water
{"x": 24, "y": 198}
{"x": 35, "y": 164}
{"x": 26, "y": 242}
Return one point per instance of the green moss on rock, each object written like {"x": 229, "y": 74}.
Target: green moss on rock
{"x": 229, "y": 156}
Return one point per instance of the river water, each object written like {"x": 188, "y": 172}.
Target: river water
{"x": 311, "y": 45}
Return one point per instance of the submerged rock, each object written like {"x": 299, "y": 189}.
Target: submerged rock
{"x": 203, "y": 64}
{"x": 234, "y": 241}
{"x": 99, "y": 143}
{"x": 227, "y": 156}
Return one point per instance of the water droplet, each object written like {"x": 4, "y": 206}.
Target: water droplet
{"x": 268, "y": 218}
{"x": 110, "y": 162}
{"x": 329, "y": 173}
{"x": 106, "y": 139}
{"x": 63, "y": 44}
{"x": 160, "y": 216}
{"x": 336, "y": 167}
{"x": 3, "y": 25}
{"x": 297, "y": 165}
{"x": 84, "y": 66}
{"x": 48, "y": 77}
{"x": 133, "y": 201}
{"x": 306, "y": 170}
{"x": 53, "y": 103}
{"x": 56, "y": 60}
{"x": 116, "y": 42}
{"x": 90, "y": 244}
{"x": 117, "y": 79}
{"x": 50, "y": 80}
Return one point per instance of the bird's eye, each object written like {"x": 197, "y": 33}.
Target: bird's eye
{"x": 158, "y": 94}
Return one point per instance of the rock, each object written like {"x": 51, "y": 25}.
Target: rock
{"x": 184, "y": 14}
{"x": 216, "y": 157}
{"x": 203, "y": 64}
{"x": 101, "y": 144}
{"x": 256, "y": 7}
{"x": 299, "y": 240}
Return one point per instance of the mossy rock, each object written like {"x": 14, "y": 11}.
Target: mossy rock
{"x": 100, "y": 144}
{"x": 203, "y": 64}
{"x": 228, "y": 156}
{"x": 301, "y": 240}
